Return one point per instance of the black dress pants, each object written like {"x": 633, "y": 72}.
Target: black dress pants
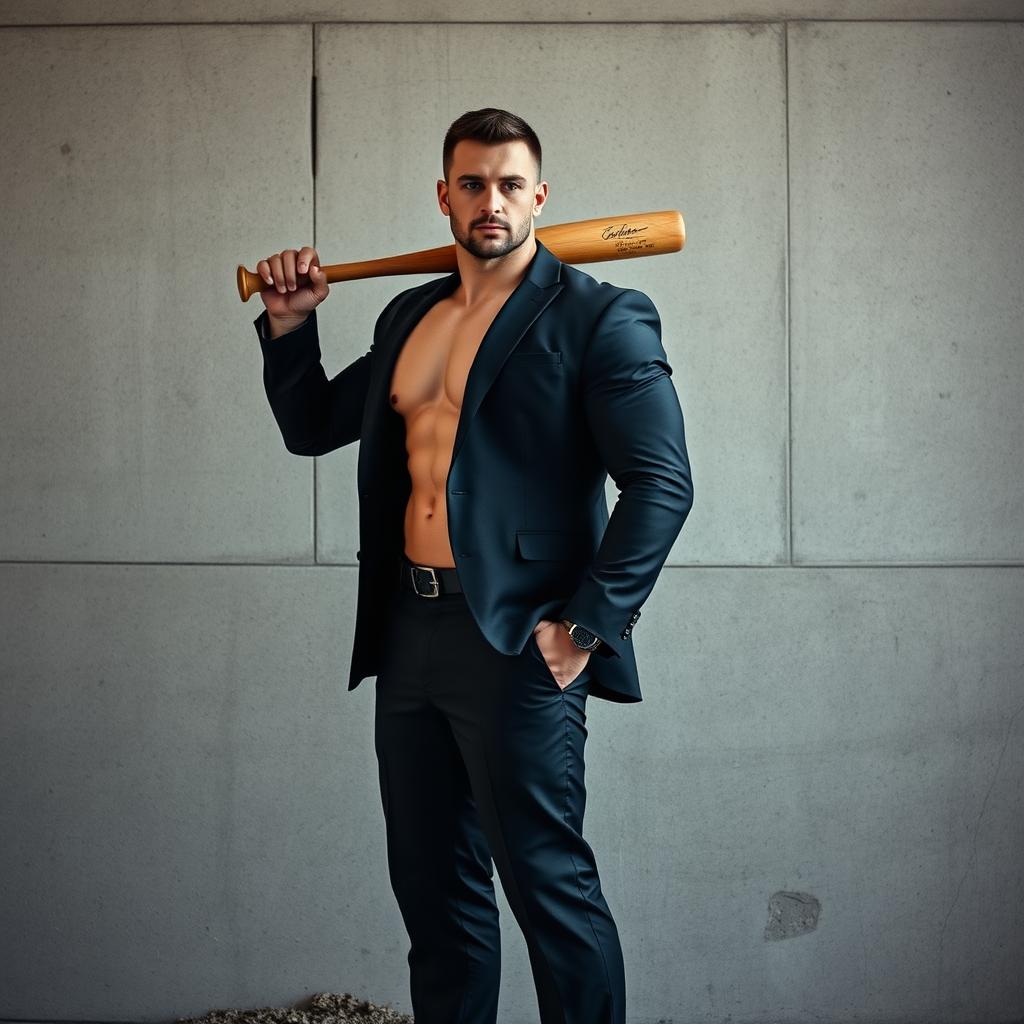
{"x": 480, "y": 758}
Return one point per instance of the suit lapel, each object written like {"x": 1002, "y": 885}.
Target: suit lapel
{"x": 531, "y": 297}
{"x": 540, "y": 284}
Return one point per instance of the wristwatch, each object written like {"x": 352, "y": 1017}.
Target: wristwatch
{"x": 581, "y": 637}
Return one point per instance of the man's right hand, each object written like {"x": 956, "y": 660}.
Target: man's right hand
{"x": 290, "y": 301}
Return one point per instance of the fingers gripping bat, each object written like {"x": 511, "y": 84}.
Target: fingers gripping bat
{"x": 578, "y": 241}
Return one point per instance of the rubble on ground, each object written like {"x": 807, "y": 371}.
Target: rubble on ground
{"x": 323, "y": 1008}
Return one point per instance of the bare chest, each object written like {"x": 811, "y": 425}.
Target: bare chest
{"x": 434, "y": 363}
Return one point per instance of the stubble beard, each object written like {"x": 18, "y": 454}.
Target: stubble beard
{"x": 490, "y": 247}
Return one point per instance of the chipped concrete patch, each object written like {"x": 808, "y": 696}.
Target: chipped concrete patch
{"x": 323, "y": 1008}
{"x": 791, "y": 914}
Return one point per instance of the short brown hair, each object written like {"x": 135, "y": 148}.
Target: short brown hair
{"x": 489, "y": 125}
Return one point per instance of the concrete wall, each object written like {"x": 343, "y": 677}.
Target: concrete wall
{"x": 816, "y": 813}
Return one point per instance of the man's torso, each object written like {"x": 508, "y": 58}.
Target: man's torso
{"x": 427, "y": 389}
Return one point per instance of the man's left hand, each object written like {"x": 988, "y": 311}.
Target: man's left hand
{"x": 564, "y": 659}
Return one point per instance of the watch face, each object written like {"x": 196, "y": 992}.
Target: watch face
{"x": 583, "y": 638}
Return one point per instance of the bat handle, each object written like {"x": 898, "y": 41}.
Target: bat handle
{"x": 250, "y": 284}
{"x": 440, "y": 260}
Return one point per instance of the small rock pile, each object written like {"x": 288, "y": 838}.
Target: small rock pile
{"x": 323, "y": 1008}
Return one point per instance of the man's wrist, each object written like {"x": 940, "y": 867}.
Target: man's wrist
{"x": 276, "y": 326}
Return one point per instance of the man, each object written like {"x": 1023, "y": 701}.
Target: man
{"x": 495, "y": 592}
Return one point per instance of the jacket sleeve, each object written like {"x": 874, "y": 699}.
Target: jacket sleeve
{"x": 315, "y": 415}
{"x": 634, "y": 417}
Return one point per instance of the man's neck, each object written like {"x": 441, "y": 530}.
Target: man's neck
{"x": 480, "y": 281}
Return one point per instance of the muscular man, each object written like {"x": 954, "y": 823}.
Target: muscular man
{"x": 495, "y": 592}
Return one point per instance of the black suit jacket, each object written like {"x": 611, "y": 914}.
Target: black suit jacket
{"x": 570, "y": 384}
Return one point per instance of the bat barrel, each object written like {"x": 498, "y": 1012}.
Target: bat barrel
{"x": 616, "y": 238}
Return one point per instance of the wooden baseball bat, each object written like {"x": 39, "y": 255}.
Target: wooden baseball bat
{"x": 578, "y": 241}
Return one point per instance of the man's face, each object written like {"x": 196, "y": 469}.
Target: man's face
{"x": 496, "y": 185}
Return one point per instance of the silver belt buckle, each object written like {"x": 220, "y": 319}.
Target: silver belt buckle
{"x": 433, "y": 580}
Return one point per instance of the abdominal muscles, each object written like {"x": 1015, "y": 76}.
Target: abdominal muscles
{"x": 429, "y": 437}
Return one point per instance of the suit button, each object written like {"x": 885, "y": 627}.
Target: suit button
{"x": 357, "y": 556}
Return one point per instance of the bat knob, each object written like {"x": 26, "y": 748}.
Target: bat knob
{"x": 248, "y": 283}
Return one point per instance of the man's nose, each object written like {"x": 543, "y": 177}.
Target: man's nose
{"x": 493, "y": 200}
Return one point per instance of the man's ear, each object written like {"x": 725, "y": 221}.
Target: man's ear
{"x": 543, "y": 188}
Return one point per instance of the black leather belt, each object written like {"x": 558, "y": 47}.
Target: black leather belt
{"x": 428, "y": 580}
